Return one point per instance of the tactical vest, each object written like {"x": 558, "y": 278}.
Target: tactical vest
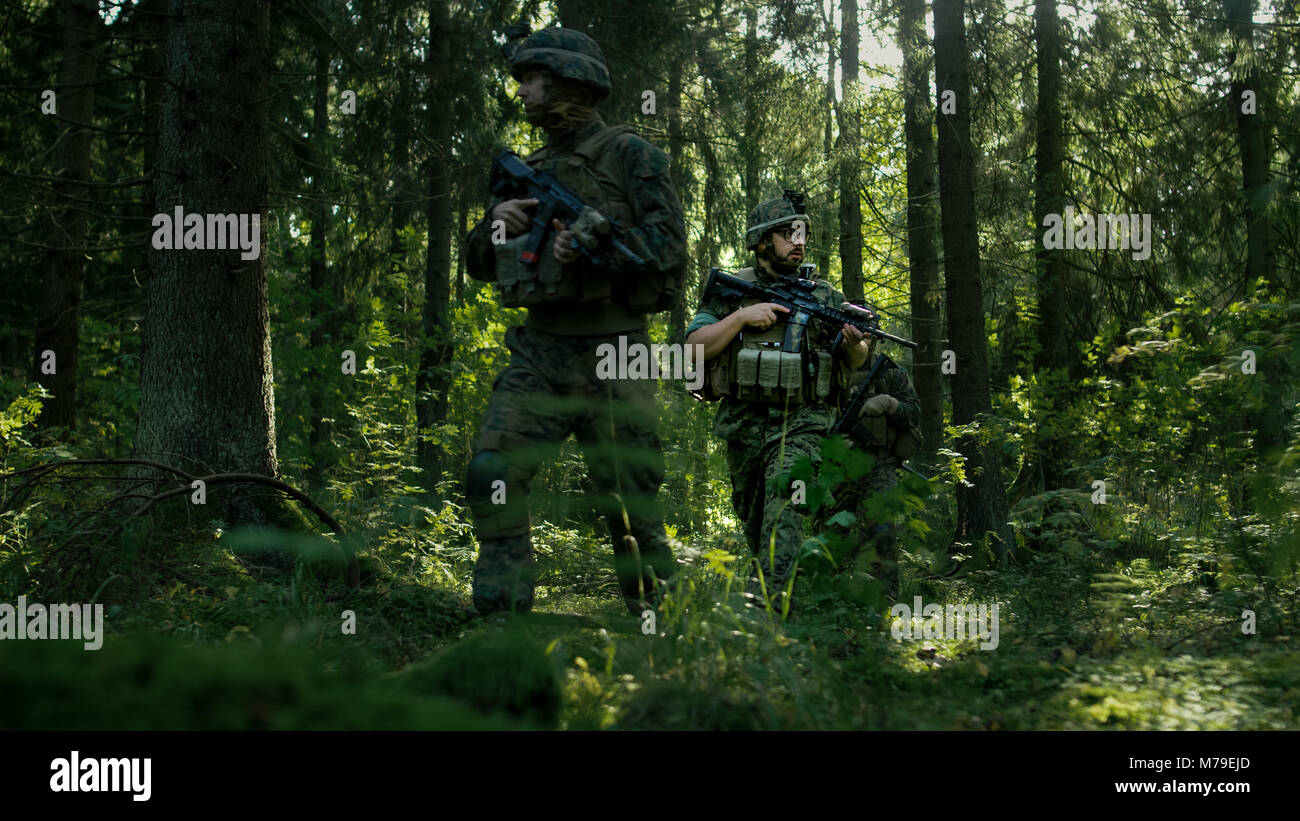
{"x": 782, "y": 365}
{"x": 596, "y": 176}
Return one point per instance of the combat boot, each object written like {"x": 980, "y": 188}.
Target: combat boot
{"x": 504, "y": 575}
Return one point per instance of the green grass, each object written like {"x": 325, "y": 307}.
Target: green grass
{"x": 1084, "y": 643}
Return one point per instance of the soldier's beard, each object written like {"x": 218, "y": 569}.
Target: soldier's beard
{"x": 782, "y": 266}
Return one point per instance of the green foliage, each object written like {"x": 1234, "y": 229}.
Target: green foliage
{"x": 495, "y": 671}
{"x": 22, "y": 411}
{"x": 155, "y": 683}
{"x": 1122, "y": 614}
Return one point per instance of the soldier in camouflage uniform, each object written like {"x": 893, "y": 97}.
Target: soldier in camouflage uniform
{"x": 768, "y": 430}
{"x": 889, "y": 430}
{"x": 550, "y": 388}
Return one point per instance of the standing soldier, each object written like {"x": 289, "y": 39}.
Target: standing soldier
{"x": 769, "y": 424}
{"x": 550, "y": 388}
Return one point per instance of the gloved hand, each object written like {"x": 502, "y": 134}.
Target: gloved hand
{"x": 589, "y": 227}
{"x": 882, "y": 404}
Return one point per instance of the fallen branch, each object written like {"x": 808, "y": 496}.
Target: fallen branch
{"x": 352, "y": 573}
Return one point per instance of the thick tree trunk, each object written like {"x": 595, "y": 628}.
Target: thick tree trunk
{"x": 1049, "y": 187}
{"x": 57, "y": 312}
{"x": 154, "y": 25}
{"x": 981, "y": 501}
{"x": 205, "y": 372}
{"x": 433, "y": 381}
{"x": 922, "y": 219}
{"x": 850, "y": 139}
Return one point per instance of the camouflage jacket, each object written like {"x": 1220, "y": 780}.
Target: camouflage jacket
{"x": 654, "y": 227}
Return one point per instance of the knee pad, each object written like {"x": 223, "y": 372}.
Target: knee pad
{"x": 500, "y": 510}
{"x": 481, "y": 477}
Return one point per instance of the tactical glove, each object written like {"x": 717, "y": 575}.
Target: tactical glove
{"x": 589, "y": 227}
{"x": 882, "y": 404}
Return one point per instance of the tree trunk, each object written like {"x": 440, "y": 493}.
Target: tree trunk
{"x": 828, "y": 145}
{"x": 981, "y": 500}
{"x": 753, "y": 193}
{"x": 322, "y": 303}
{"x": 1253, "y": 143}
{"x": 1049, "y": 187}
{"x": 60, "y": 299}
{"x": 463, "y": 210}
{"x": 155, "y": 23}
{"x": 205, "y": 369}
{"x": 678, "y": 173}
{"x": 433, "y": 381}
{"x": 1049, "y": 198}
{"x": 850, "y": 139}
{"x": 707, "y": 253}
{"x": 403, "y": 190}
{"x": 921, "y": 221}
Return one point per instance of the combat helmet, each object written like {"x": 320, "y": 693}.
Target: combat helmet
{"x": 773, "y": 214}
{"x": 566, "y": 53}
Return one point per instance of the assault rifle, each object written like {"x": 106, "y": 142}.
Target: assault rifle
{"x": 795, "y": 294}
{"x": 853, "y": 409}
{"x": 512, "y": 178}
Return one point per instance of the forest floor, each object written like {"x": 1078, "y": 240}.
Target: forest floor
{"x": 1079, "y": 646}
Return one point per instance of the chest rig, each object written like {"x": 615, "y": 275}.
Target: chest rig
{"x": 788, "y": 363}
{"x": 594, "y": 174}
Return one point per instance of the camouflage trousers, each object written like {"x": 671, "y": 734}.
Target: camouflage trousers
{"x": 868, "y": 544}
{"x": 772, "y": 523}
{"x": 551, "y": 389}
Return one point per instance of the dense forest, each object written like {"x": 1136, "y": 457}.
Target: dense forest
{"x": 252, "y": 453}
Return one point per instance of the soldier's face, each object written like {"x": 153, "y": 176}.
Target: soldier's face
{"x": 532, "y": 92}
{"x": 783, "y": 253}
